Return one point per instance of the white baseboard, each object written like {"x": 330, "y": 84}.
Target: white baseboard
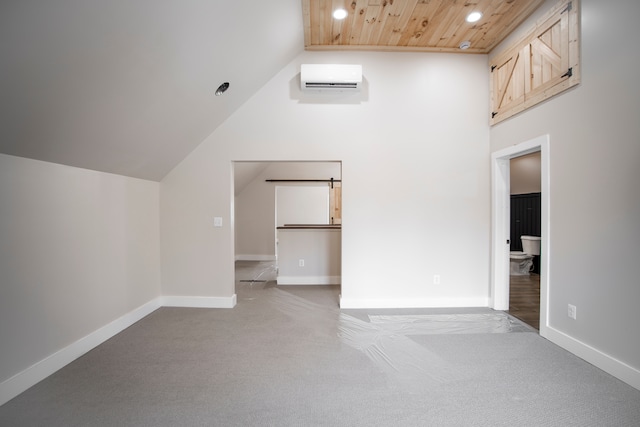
{"x": 309, "y": 280}
{"x": 255, "y": 257}
{"x": 199, "y": 302}
{"x": 413, "y": 302}
{"x": 611, "y": 365}
{"x": 20, "y": 382}
{"x": 34, "y": 374}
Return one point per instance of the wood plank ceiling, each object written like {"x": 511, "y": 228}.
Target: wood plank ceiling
{"x": 412, "y": 25}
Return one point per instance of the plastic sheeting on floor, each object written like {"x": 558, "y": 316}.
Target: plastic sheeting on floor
{"x": 386, "y": 339}
{"x": 468, "y": 323}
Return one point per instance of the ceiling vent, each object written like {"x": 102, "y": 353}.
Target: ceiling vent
{"x": 330, "y": 77}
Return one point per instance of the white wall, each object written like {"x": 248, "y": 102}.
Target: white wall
{"x": 319, "y": 251}
{"x": 78, "y": 250}
{"x": 595, "y": 197}
{"x": 415, "y": 170}
{"x": 302, "y": 204}
{"x": 255, "y": 219}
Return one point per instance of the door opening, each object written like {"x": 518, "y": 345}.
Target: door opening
{"x": 524, "y": 270}
{"x": 501, "y": 230}
{"x": 298, "y": 194}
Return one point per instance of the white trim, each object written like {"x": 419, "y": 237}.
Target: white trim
{"x": 20, "y": 382}
{"x": 413, "y": 302}
{"x": 308, "y": 280}
{"x": 612, "y": 366}
{"x": 500, "y": 208}
{"x": 199, "y": 302}
{"x": 500, "y": 224}
{"x": 37, "y": 372}
{"x": 255, "y": 257}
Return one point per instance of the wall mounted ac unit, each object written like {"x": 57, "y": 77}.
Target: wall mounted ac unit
{"x": 330, "y": 77}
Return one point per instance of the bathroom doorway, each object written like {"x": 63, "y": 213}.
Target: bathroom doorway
{"x": 501, "y": 224}
{"x": 524, "y": 271}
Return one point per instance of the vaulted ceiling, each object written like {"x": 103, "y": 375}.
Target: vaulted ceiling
{"x": 127, "y": 87}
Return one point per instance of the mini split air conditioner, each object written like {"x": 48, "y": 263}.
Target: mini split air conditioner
{"x": 330, "y": 77}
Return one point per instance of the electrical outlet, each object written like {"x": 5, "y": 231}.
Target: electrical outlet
{"x": 436, "y": 279}
{"x": 572, "y": 311}
{"x": 301, "y": 263}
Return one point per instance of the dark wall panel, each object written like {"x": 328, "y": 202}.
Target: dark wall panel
{"x": 525, "y": 218}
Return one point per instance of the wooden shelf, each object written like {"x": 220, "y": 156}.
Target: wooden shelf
{"x": 310, "y": 227}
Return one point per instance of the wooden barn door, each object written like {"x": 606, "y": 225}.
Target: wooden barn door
{"x": 335, "y": 203}
{"x": 543, "y": 65}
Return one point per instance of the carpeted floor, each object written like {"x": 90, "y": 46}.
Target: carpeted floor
{"x": 287, "y": 356}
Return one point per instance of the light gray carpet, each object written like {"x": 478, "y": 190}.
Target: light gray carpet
{"x": 287, "y": 356}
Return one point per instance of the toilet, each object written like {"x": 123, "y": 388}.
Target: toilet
{"x": 521, "y": 262}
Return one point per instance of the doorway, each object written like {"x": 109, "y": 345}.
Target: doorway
{"x": 501, "y": 225}
{"x": 524, "y": 276}
{"x": 266, "y": 193}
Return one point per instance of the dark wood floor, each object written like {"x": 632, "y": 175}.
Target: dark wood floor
{"x": 524, "y": 299}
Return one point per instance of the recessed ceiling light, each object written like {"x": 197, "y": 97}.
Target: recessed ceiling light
{"x": 339, "y": 14}
{"x": 222, "y": 88}
{"x": 474, "y": 16}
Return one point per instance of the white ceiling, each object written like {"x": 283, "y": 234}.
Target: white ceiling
{"x": 127, "y": 86}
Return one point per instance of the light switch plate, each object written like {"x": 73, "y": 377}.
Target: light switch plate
{"x": 217, "y": 221}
